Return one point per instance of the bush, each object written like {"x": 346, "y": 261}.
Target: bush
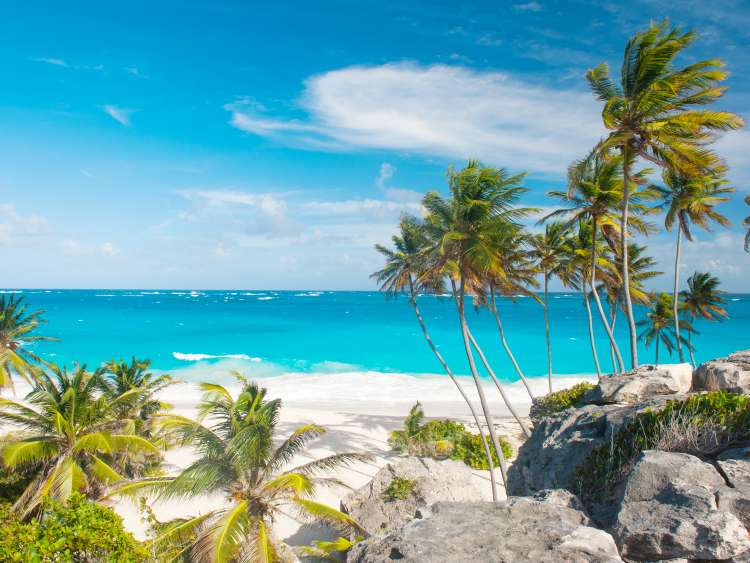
{"x": 701, "y": 425}
{"x": 558, "y": 401}
{"x": 444, "y": 439}
{"x": 79, "y": 531}
{"x": 398, "y": 489}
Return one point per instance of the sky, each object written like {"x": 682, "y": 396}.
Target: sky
{"x": 272, "y": 144}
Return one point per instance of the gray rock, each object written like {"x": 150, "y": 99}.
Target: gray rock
{"x": 731, "y": 373}
{"x": 520, "y": 529}
{"x": 670, "y": 511}
{"x": 735, "y": 467}
{"x": 433, "y": 481}
{"x": 642, "y": 384}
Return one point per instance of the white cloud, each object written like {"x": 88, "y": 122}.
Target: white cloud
{"x": 73, "y": 247}
{"x": 528, "y": 7}
{"x": 121, "y": 115}
{"x": 134, "y": 71}
{"x": 365, "y": 208}
{"x": 386, "y": 173}
{"x": 448, "y": 111}
{"x": 735, "y": 148}
{"x": 108, "y": 249}
{"x": 16, "y": 228}
{"x": 50, "y": 61}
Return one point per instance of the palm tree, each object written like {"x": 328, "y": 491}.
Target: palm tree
{"x": 461, "y": 229}
{"x": 702, "y": 299}
{"x": 658, "y": 326}
{"x": 655, "y": 113}
{"x": 71, "y": 437}
{"x": 238, "y": 457}
{"x": 17, "y": 331}
{"x": 595, "y": 191}
{"x": 746, "y": 223}
{"x": 405, "y": 271}
{"x": 690, "y": 200}
{"x": 548, "y": 250}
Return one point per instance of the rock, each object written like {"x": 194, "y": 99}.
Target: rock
{"x": 735, "y": 465}
{"x": 670, "y": 511}
{"x": 731, "y": 373}
{"x": 642, "y": 384}
{"x": 433, "y": 481}
{"x": 519, "y": 529}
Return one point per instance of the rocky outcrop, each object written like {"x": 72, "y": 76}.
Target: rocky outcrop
{"x": 544, "y": 529}
{"x": 731, "y": 373}
{"x": 433, "y": 481}
{"x": 642, "y": 384}
{"x": 671, "y": 510}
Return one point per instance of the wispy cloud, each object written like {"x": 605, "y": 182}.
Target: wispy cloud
{"x": 134, "y": 71}
{"x": 440, "y": 110}
{"x": 16, "y": 228}
{"x": 121, "y": 115}
{"x": 528, "y": 7}
{"x": 386, "y": 172}
{"x": 49, "y": 61}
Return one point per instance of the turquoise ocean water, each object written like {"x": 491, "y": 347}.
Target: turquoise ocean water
{"x": 276, "y": 332}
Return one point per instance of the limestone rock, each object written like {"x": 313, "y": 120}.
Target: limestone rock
{"x": 670, "y": 511}
{"x": 642, "y": 384}
{"x": 433, "y": 481}
{"x": 731, "y": 373}
{"x": 735, "y": 465}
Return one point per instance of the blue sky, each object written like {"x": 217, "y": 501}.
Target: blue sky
{"x": 270, "y": 145}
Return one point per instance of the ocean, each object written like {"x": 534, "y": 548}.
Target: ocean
{"x": 267, "y": 334}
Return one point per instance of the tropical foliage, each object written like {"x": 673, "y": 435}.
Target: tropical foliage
{"x": 702, "y": 300}
{"x": 559, "y": 401}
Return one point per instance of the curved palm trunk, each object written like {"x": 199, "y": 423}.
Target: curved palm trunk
{"x": 598, "y": 301}
{"x": 546, "y": 331}
{"x": 439, "y": 356}
{"x": 690, "y": 346}
{"x": 591, "y": 333}
{"x": 613, "y": 321}
{"x": 505, "y": 343}
{"x": 625, "y": 259}
{"x": 656, "y": 359}
{"x": 675, "y": 295}
{"x": 506, "y": 400}
{"x": 459, "y": 298}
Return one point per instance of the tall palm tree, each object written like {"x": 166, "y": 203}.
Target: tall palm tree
{"x": 655, "y": 113}
{"x": 658, "y": 326}
{"x": 548, "y": 250}
{"x": 702, "y": 299}
{"x": 690, "y": 200}
{"x": 746, "y": 223}
{"x": 72, "y": 434}
{"x": 461, "y": 230}
{"x": 595, "y": 191}
{"x": 239, "y": 457}
{"x": 17, "y": 330}
{"x": 404, "y": 271}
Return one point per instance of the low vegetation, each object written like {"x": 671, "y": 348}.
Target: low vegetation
{"x": 559, "y": 401}
{"x": 702, "y": 425}
{"x": 443, "y": 439}
{"x": 398, "y": 489}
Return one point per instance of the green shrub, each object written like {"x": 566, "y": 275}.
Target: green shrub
{"x": 398, "y": 489}
{"x": 558, "y": 401}
{"x": 443, "y": 439}
{"x": 79, "y": 531}
{"x": 724, "y": 416}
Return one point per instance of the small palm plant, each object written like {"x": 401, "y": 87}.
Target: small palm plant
{"x": 71, "y": 438}
{"x": 17, "y": 331}
{"x": 702, "y": 299}
{"x": 238, "y": 458}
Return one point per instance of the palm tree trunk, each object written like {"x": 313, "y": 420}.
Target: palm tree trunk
{"x": 598, "y": 301}
{"x": 675, "y": 295}
{"x": 546, "y": 331}
{"x": 505, "y": 343}
{"x": 591, "y": 332}
{"x": 613, "y": 320}
{"x": 656, "y": 360}
{"x": 625, "y": 259}
{"x": 690, "y": 344}
{"x": 506, "y": 400}
{"x": 459, "y": 298}
{"x": 439, "y": 356}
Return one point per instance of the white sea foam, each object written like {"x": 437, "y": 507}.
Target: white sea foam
{"x": 266, "y": 298}
{"x": 199, "y": 357}
{"x": 309, "y": 294}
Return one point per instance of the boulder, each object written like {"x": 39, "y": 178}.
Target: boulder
{"x": 735, "y": 467}
{"x": 433, "y": 481}
{"x": 670, "y": 511}
{"x": 642, "y": 384}
{"x": 519, "y": 529}
{"x": 731, "y": 373}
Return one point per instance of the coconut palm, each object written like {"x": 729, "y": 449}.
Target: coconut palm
{"x": 239, "y": 458}
{"x": 595, "y": 191}
{"x": 71, "y": 433}
{"x": 702, "y": 299}
{"x": 548, "y": 250}
{"x": 655, "y": 113}
{"x": 18, "y": 328}
{"x": 404, "y": 271}
{"x": 658, "y": 326}
{"x": 746, "y": 223}
{"x": 461, "y": 228}
{"x": 690, "y": 200}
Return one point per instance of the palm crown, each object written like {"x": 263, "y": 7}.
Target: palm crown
{"x": 703, "y": 298}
